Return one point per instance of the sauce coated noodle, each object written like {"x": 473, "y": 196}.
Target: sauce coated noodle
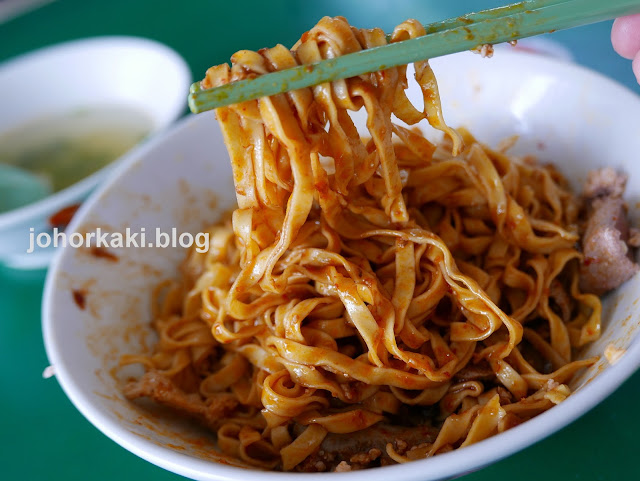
{"x": 360, "y": 279}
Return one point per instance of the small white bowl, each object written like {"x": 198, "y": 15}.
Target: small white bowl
{"x": 104, "y": 71}
{"x": 563, "y": 113}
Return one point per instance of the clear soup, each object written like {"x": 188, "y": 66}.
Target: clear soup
{"x": 63, "y": 149}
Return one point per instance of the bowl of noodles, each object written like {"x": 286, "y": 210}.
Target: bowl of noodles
{"x": 336, "y": 279}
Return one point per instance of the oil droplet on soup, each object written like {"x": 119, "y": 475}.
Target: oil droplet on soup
{"x": 63, "y": 149}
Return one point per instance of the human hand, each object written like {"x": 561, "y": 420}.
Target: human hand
{"x": 625, "y": 37}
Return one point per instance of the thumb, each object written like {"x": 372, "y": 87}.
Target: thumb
{"x": 625, "y": 36}
{"x": 636, "y": 66}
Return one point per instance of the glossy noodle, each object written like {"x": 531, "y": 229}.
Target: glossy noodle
{"x": 369, "y": 284}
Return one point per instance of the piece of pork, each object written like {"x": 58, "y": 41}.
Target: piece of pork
{"x": 162, "y": 390}
{"x": 606, "y": 182}
{"x": 607, "y": 259}
{"x": 363, "y": 448}
{"x": 475, "y": 372}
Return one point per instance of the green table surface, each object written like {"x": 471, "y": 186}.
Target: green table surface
{"x": 42, "y": 436}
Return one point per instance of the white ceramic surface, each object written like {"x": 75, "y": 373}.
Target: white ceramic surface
{"x": 104, "y": 71}
{"x": 563, "y": 113}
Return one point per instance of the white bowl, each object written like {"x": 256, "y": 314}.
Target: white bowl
{"x": 564, "y": 113}
{"x": 104, "y": 71}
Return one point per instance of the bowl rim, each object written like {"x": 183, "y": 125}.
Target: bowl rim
{"x": 445, "y": 465}
{"x": 76, "y": 191}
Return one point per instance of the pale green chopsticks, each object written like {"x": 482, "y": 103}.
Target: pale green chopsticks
{"x": 511, "y": 22}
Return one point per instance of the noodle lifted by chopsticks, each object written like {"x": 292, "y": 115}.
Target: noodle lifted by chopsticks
{"x": 361, "y": 280}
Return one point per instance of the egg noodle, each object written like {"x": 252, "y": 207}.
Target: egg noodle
{"x": 364, "y": 277}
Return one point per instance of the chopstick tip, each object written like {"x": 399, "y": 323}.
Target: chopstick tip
{"x": 195, "y": 87}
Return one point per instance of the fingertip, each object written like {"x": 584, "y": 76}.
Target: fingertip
{"x": 625, "y": 36}
{"x": 615, "y": 35}
{"x": 636, "y": 66}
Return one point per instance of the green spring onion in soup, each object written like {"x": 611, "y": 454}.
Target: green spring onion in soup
{"x": 63, "y": 149}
